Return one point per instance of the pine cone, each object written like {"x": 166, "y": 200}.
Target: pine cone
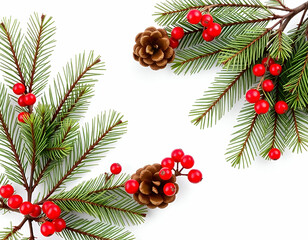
{"x": 151, "y": 187}
{"x": 152, "y": 48}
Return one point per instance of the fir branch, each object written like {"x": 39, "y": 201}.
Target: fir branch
{"x": 280, "y": 46}
{"x": 11, "y": 57}
{"x": 226, "y": 90}
{"x": 12, "y": 233}
{"x": 109, "y": 128}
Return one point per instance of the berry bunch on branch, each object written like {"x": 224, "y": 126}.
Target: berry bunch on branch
{"x": 258, "y": 57}
{"x": 43, "y": 147}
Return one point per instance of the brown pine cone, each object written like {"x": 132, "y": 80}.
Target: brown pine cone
{"x": 151, "y": 187}
{"x": 152, "y": 48}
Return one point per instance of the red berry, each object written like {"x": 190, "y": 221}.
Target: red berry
{"x": 53, "y": 212}
{"x": 206, "y": 36}
{"x": 177, "y": 155}
{"x": 29, "y": 99}
{"x": 207, "y": 20}
{"x": 274, "y": 154}
{"x": 270, "y": 61}
{"x": 253, "y": 96}
{"x": 19, "y": 88}
{"x": 177, "y": 33}
{"x": 26, "y": 208}
{"x": 194, "y": 16}
{"x": 169, "y": 189}
{"x": 194, "y": 176}
{"x": 165, "y": 174}
{"x": 115, "y": 168}
{"x": 168, "y": 163}
{"x": 6, "y": 191}
{"x": 214, "y": 30}
{"x": 59, "y": 224}
{"x": 21, "y": 101}
{"x": 174, "y": 43}
{"x": 258, "y": 70}
{"x": 131, "y": 186}
{"x": 187, "y": 162}
{"x": 262, "y": 107}
{"x": 47, "y": 229}
{"x": 268, "y": 85}
{"x": 36, "y": 212}
{"x": 275, "y": 69}
{"x": 46, "y": 206}
{"x": 281, "y": 107}
{"x": 23, "y": 116}
{"x": 15, "y": 201}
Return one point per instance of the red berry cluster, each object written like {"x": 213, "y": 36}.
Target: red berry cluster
{"x": 53, "y": 213}
{"x": 24, "y": 100}
{"x": 262, "y": 106}
{"x": 211, "y": 29}
{"x": 178, "y": 157}
{"x": 51, "y": 210}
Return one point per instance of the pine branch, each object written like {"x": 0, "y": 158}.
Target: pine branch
{"x": 12, "y": 233}
{"x": 11, "y": 38}
{"x": 109, "y": 129}
{"x": 280, "y": 46}
{"x": 226, "y": 90}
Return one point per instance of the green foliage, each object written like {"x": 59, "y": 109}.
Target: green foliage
{"x": 83, "y": 229}
{"x": 221, "y": 96}
{"x": 9, "y": 233}
{"x": 280, "y": 46}
{"x": 103, "y": 198}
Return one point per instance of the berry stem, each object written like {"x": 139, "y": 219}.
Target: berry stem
{"x": 31, "y": 230}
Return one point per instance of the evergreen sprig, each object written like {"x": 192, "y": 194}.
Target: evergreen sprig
{"x": 50, "y": 149}
{"x": 251, "y": 31}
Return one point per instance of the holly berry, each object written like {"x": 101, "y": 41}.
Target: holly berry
{"x": 206, "y": 36}
{"x": 115, "y": 168}
{"x": 21, "y": 101}
{"x": 253, "y": 96}
{"x": 15, "y": 201}
{"x": 262, "y": 107}
{"x": 275, "y": 69}
{"x": 46, "y": 206}
{"x": 47, "y": 229}
{"x": 274, "y": 154}
{"x": 165, "y": 174}
{"x": 269, "y": 63}
{"x": 53, "y": 212}
{"x": 168, "y": 163}
{"x": 131, "y": 186}
{"x": 23, "y": 116}
{"x": 281, "y": 107}
{"x": 169, "y": 189}
{"x": 26, "y": 208}
{"x": 187, "y": 162}
{"x": 177, "y": 33}
{"x": 59, "y": 224}
{"x": 6, "y": 191}
{"x": 207, "y": 20}
{"x": 214, "y": 30}
{"x": 194, "y": 16}
{"x": 258, "y": 70}
{"x": 19, "y": 88}
{"x": 177, "y": 155}
{"x": 194, "y": 176}
{"x": 29, "y": 99}
{"x": 36, "y": 212}
{"x": 268, "y": 85}
{"x": 174, "y": 43}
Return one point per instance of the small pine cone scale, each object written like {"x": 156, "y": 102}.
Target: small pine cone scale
{"x": 153, "y": 49}
{"x": 151, "y": 186}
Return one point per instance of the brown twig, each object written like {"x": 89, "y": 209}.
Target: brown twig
{"x": 33, "y": 164}
{"x": 15, "y": 229}
{"x": 31, "y": 230}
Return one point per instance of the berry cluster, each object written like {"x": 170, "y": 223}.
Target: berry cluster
{"x": 177, "y": 157}
{"x": 262, "y": 106}
{"x": 211, "y": 29}
{"x": 26, "y": 99}
{"x": 51, "y": 211}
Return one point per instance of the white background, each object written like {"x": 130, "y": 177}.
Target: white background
{"x": 268, "y": 201}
